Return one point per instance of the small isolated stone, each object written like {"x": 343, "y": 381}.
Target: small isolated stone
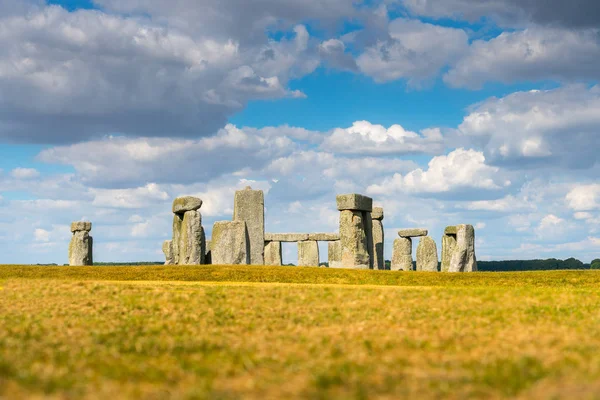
{"x": 427, "y": 257}
{"x": 186, "y": 203}
{"x": 81, "y": 226}
{"x": 413, "y": 232}
{"x": 324, "y": 237}
{"x": 354, "y": 202}
{"x": 167, "y": 248}
{"x": 377, "y": 213}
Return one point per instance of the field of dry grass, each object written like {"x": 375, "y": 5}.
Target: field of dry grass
{"x": 247, "y": 332}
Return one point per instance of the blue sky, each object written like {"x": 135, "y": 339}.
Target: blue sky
{"x": 445, "y": 112}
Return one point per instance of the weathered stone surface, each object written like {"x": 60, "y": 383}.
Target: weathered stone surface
{"x": 450, "y": 230}
{"x": 353, "y": 238}
{"x": 177, "y": 225}
{"x": 377, "y": 213}
{"x": 378, "y": 259}
{"x": 192, "y": 240}
{"x": 334, "y": 254}
{"x": 368, "y": 224}
{"x": 81, "y": 226}
{"x": 463, "y": 258}
{"x": 273, "y": 253}
{"x": 402, "y": 255}
{"x": 80, "y": 249}
{"x": 186, "y": 203}
{"x": 414, "y": 232}
{"x": 229, "y": 244}
{"x": 208, "y": 254}
{"x": 427, "y": 257}
{"x": 448, "y": 246}
{"x": 323, "y": 237}
{"x": 286, "y": 237}
{"x": 167, "y": 248}
{"x": 354, "y": 202}
{"x": 308, "y": 254}
{"x": 249, "y": 207}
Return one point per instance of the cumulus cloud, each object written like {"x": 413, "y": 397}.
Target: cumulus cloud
{"x": 25, "y": 173}
{"x": 333, "y": 51}
{"x": 507, "y": 204}
{"x": 129, "y": 198}
{"x": 459, "y": 170}
{"x": 414, "y": 50}
{"x": 549, "y": 127}
{"x": 535, "y": 54}
{"x": 584, "y": 198}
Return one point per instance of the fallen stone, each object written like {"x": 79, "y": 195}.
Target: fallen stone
{"x": 354, "y": 202}
{"x": 249, "y": 207}
{"x": 308, "y": 254}
{"x": 427, "y": 257}
{"x": 80, "y": 249}
{"x": 334, "y": 254}
{"x": 229, "y": 244}
{"x": 167, "y": 249}
{"x": 186, "y": 203}
{"x": 463, "y": 257}
{"x": 378, "y": 259}
{"x": 414, "y": 232}
{"x": 273, "y": 254}
{"x": 192, "y": 240}
{"x": 402, "y": 255}
{"x": 323, "y": 237}
{"x": 377, "y": 213}
{"x": 81, "y": 226}
{"x": 450, "y": 230}
{"x": 286, "y": 237}
{"x": 353, "y": 239}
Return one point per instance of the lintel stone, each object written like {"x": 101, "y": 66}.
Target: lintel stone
{"x": 450, "y": 230}
{"x": 377, "y": 213}
{"x": 354, "y": 202}
{"x": 414, "y": 232}
{"x": 186, "y": 203}
{"x": 324, "y": 237}
{"x": 81, "y": 226}
{"x": 286, "y": 237}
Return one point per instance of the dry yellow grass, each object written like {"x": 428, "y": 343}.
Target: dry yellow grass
{"x": 97, "y": 338}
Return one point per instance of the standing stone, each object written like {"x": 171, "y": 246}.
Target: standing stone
{"x": 463, "y": 258}
{"x": 273, "y": 254}
{"x": 229, "y": 244}
{"x": 448, "y": 247}
{"x": 192, "y": 239}
{"x": 368, "y": 220}
{"x": 378, "y": 257}
{"x": 81, "y": 245}
{"x": 334, "y": 254}
{"x": 175, "y": 242}
{"x": 308, "y": 253}
{"x": 208, "y": 254}
{"x": 249, "y": 207}
{"x": 167, "y": 248}
{"x": 402, "y": 255}
{"x": 353, "y": 239}
{"x": 427, "y": 257}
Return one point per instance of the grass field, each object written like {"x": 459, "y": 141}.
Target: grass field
{"x": 263, "y": 332}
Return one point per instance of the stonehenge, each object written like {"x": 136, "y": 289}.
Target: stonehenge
{"x": 427, "y": 256}
{"x": 377, "y": 227}
{"x": 249, "y": 207}
{"x": 402, "y": 255}
{"x": 308, "y": 253}
{"x": 81, "y": 245}
{"x": 356, "y": 231}
{"x": 458, "y": 249}
{"x": 230, "y": 243}
{"x": 188, "y": 246}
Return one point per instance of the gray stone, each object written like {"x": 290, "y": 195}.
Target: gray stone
{"x": 229, "y": 244}
{"x": 167, "y": 248}
{"x": 81, "y": 226}
{"x": 353, "y": 238}
{"x": 81, "y": 249}
{"x": 448, "y": 246}
{"x": 463, "y": 257}
{"x": 273, "y": 254}
{"x": 177, "y": 226}
{"x": 323, "y": 237}
{"x": 450, "y": 230}
{"x": 413, "y": 232}
{"x": 334, "y": 254}
{"x": 249, "y": 207}
{"x": 378, "y": 259}
{"x": 377, "y": 213}
{"x": 186, "y": 203}
{"x": 208, "y": 254}
{"x": 402, "y": 255}
{"x": 308, "y": 254}
{"x": 192, "y": 240}
{"x": 285, "y": 237}
{"x": 368, "y": 224}
{"x": 354, "y": 202}
{"x": 427, "y": 256}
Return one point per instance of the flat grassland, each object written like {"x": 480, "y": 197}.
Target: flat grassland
{"x": 282, "y": 332}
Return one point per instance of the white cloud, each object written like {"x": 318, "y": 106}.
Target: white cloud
{"x": 41, "y": 235}
{"x": 508, "y": 203}
{"x": 584, "y": 198}
{"x": 25, "y": 173}
{"x": 129, "y": 198}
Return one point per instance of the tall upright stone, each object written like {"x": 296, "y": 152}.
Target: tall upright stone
{"x": 334, "y": 254}
{"x": 355, "y": 230}
{"x": 81, "y": 245}
{"x": 463, "y": 257}
{"x": 378, "y": 238}
{"x": 192, "y": 240}
{"x": 273, "y": 254}
{"x": 402, "y": 255}
{"x": 167, "y": 249}
{"x": 427, "y": 257}
{"x": 308, "y": 253}
{"x": 448, "y": 247}
{"x": 229, "y": 244}
{"x": 249, "y": 207}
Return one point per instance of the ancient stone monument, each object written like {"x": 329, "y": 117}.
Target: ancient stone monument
{"x": 81, "y": 245}
{"x": 378, "y": 257}
{"x": 308, "y": 253}
{"x": 355, "y": 231}
{"x": 427, "y": 256}
{"x": 249, "y": 207}
{"x": 402, "y": 252}
{"x": 188, "y": 246}
{"x": 230, "y": 244}
{"x": 308, "y": 247}
{"x": 273, "y": 253}
{"x": 458, "y": 249}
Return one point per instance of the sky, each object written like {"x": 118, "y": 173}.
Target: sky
{"x": 485, "y": 112}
